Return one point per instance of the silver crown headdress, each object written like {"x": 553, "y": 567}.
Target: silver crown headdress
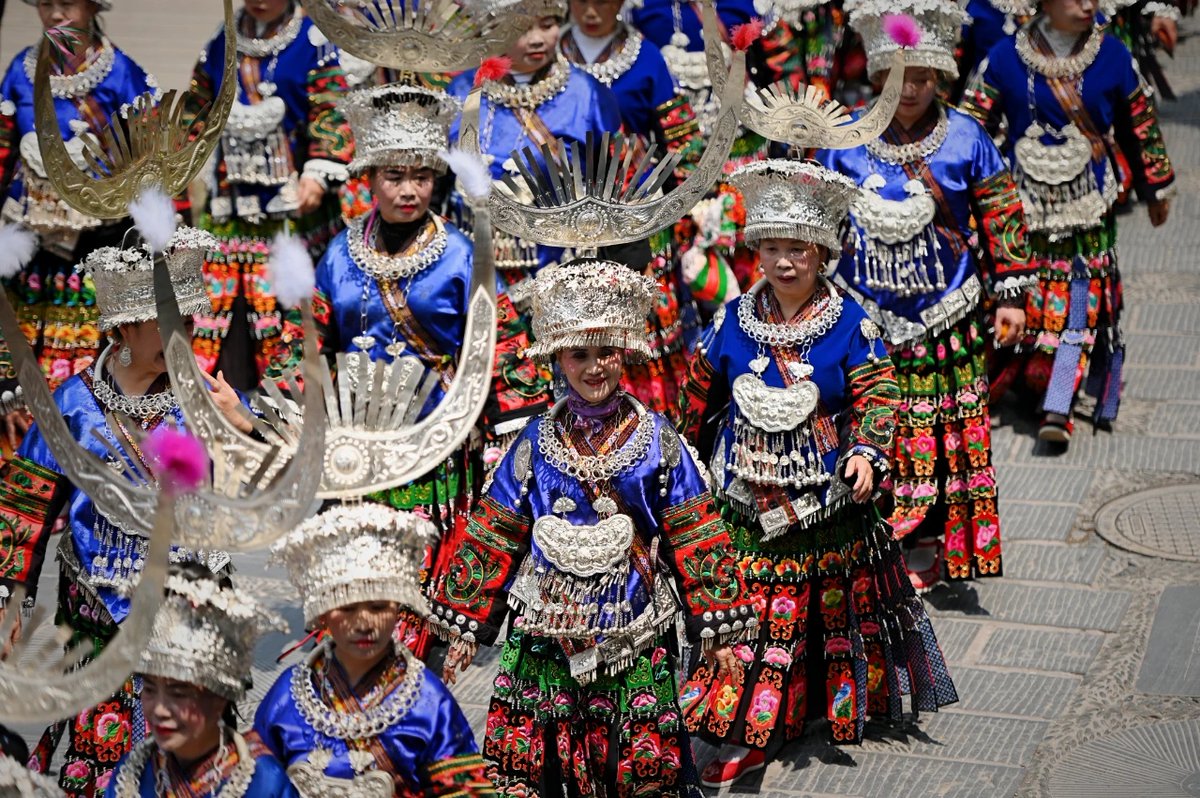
{"x": 398, "y": 125}
{"x": 794, "y": 199}
{"x": 589, "y": 302}
{"x": 124, "y": 278}
{"x": 352, "y": 553}
{"x": 940, "y": 22}
{"x": 204, "y": 634}
{"x": 596, "y": 194}
{"x": 434, "y": 36}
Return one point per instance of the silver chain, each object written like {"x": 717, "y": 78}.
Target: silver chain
{"x": 261, "y": 48}
{"x": 900, "y": 154}
{"x": 390, "y": 267}
{"x": 618, "y": 63}
{"x": 128, "y": 781}
{"x": 531, "y": 95}
{"x": 82, "y": 83}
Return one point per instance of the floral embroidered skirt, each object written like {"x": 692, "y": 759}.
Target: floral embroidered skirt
{"x": 617, "y": 737}
{"x": 1072, "y": 322}
{"x": 97, "y": 738}
{"x": 943, "y": 481}
{"x": 245, "y": 318}
{"x": 841, "y": 635}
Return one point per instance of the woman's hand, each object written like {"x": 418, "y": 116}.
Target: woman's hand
{"x": 1159, "y": 211}
{"x": 6, "y": 645}
{"x": 227, "y": 400}
{"x": 722, "y": 660}
{"x": 460, "y": 657}
{"x": 16, "y": 424}
{"x": 311, "y": 194}
{"x": 1010, "y": 325}
{"x": 859, "y": 469}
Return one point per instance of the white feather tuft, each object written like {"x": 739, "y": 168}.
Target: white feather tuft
{"x": 472, "y": 174}
{"x": 153, "y": 214}
{"x": 17, "y": 248}
{"x": 290, "y": 270}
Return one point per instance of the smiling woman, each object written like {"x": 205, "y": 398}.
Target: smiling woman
{"x": 193, "y": 671}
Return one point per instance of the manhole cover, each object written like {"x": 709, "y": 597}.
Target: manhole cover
{"x": 1159, "y": 522}
{"x": 1162, "y": 759}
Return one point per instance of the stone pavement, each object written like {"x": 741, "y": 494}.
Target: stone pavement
{"x": 1079, "y": 670}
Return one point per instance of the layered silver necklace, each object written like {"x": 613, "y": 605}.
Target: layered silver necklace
{"x": 82, "y": 83}
{"x": 900, "y": 154}
{"x": 142, "y": 408}
{"x": 128, "y": 780}
{"x": 266, "y": 48}
{"x": 618, "y": 63}
{"x": 361, "y": 725}
{"x": 594, "y": 468}
{"x": 801, "y": 334}
{"x": 1058, "y": 67}
{"x": 382, "y": 266}
{"x": 529, "y": 96}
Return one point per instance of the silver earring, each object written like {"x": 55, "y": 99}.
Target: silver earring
{"x": 125, "y": 356}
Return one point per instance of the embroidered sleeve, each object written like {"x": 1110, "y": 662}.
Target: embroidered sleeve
{"x": 459, "y": 777}
{"x": 1140, "y": 138}
{"x": 716, "y": 611}
{"x": 981, "y": 99}
{"x": 521, "y": 387}
{"x": 702, "y": 386}
{"x": 328, "y": 133}
{"x": 30, "y": 499}
{"x": 9, "y": 141}
{"x": 1004, "y": 241}
{"x": 681, "y": 132}
{"x": 874, "y": 397}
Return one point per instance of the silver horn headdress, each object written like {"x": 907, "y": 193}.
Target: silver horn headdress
{"x": 436, "y": 36}
{"x": 149, "y": 145}
{"x": 596, "y": 194}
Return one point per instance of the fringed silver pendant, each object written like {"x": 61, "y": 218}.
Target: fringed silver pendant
{"x": 896, "y": 241}
{"x": 1057, "y": 183}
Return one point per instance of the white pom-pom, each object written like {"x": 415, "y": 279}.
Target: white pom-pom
{"x": 290, "y": 270}
{"x": 17, "y": 248}
{"x": 153, "y": 214}
{"x": 472, "y": 174}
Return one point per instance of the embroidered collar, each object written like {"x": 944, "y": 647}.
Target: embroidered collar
{"x": 273, "y": 45}
{"x": 530, "y": 96}
{"x": 620, "y": 55}
{"x": 922, "y": 148}
{"x": 81, "y": 83}
{"x": 236, "y": 771}
{"x": 1051, "y": 66}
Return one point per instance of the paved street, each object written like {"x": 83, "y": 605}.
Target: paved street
{"x": 1079, "y": 670}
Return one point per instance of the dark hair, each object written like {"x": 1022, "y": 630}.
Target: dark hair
{"x": 12, "y": 746}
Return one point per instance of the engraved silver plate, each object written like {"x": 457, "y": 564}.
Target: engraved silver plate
{"x": 1054, "y": 164}
{"x": 584, "y": 550}
{"x": 893, "y": 221}
{"x": 774, "y": 409}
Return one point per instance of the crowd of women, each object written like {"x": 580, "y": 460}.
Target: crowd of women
{"x": 717, "y": 467}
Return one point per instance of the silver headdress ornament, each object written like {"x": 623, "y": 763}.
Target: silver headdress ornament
{"x": 125, "y": 278}
{"x": 150, "y": 146}
{"x": 204, "y": 634}
{"x": 352, "y": 553}
{"x": 589, "y": 302}
{"x": 398, "y": 125}
{"x": 940, "y": 22}
{"x": 794, "y": 199}
{"x": 435, "y": 36}
{"x": 595, "y": 194}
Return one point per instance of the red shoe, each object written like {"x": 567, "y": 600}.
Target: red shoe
{"x": 722, "y": 774}
{"x": 928, "y": 576}
{"x": 1056, "y": 428}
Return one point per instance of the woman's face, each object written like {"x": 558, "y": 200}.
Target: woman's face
{"x": 67, "y": 13}
{"x": 595, "y": 18}
{"x": 1071, "y": 16}
{"x": 593, "y": 371}
{"x": 536, "y": 46}
{"x": 185, "y": 719}
{"x": 362, "y": 632}
{"x": 917, "y": 94}
{"x": 402, "y": 193}
{"x": 265, "y": 11}
{"x": 791, "y": 267}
